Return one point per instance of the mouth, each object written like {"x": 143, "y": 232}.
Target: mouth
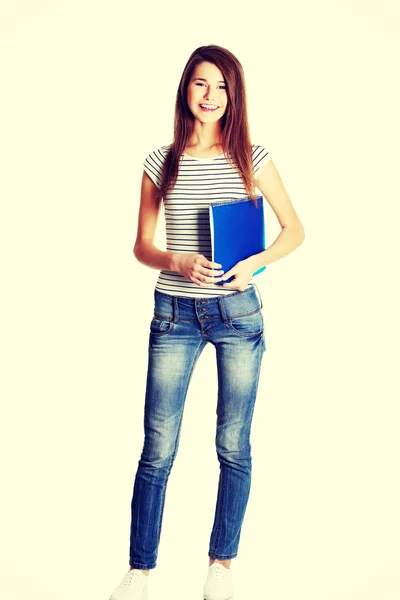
{"x": 208, "y": 107}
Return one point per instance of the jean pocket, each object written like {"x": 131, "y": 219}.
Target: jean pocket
{"x": 249, "y": 325}
{"x": 160, "y": 325}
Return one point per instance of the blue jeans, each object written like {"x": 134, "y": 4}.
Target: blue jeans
{"x": 179, "y": 331}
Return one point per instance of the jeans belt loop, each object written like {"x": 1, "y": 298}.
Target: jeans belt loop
{"x": 259, "y": 295}
{"x": 175, "y": 309}
{"x": 222, "y": 308}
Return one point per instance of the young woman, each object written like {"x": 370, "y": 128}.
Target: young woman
{"x": 211, "y": 158}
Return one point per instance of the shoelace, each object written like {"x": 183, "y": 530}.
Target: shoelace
{"x": 131, "y": 578}
{"x": 217, "y": 572}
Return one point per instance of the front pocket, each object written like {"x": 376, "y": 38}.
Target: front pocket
{"x": 247, "y": 325}
{"x": 160, "y": 326}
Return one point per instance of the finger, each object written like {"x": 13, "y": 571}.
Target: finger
{"x": 235, "y": 284}
{"x": 200, "y": 283}
{"x": 210, "y": 272}
{"x": 195, "y": 280}
{"x": 204, "y": 280}
{"x": 210, "y": 264}
{"x": 208, "y": 279}
{"x": 232, "y": 284}
{"x": 228, "y": 274}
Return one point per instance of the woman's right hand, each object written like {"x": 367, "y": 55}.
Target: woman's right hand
{"x": 198, "y": 268}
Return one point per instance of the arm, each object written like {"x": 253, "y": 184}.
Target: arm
{"x": 193, "y": 266}
{"x": 145, "y": 250}
{"x": 292, "y": 235}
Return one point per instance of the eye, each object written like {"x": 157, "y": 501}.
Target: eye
{"x": 223, "y": 87}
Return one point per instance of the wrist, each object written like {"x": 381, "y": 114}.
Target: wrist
{"x": 254, "y": 262}
{"x": 174, "y": 262}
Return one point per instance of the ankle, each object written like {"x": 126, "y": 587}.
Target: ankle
{"x": 226, "y": 563}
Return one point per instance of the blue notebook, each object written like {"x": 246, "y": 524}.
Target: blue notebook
{"x": 237, "y": 231}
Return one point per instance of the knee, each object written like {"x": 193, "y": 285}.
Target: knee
{"x": 161, "y": 443}
{"x": 158, "y": 453}
{"x": 234, "y": 451}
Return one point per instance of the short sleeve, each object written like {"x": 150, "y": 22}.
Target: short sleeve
{"x": 260, "y": 157}
{"x": 153, "y": 164}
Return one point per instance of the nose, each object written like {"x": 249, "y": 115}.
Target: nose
{"x": 208, "y": 95}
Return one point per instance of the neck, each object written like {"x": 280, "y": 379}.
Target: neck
{"x": 205, "y": 136}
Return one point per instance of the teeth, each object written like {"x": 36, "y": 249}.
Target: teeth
{"x": 209, "y": 106}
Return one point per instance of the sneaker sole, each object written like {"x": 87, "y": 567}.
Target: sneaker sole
{"x": 144, "y": 595}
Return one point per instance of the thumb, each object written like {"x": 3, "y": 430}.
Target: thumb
{"x": 228, "y": 274}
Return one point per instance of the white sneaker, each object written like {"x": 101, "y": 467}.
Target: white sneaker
{"x": 219, "y": 585}
{"x": 134, "y": 586}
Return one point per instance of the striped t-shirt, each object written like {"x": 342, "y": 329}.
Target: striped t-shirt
{"x": 200, "y": 181}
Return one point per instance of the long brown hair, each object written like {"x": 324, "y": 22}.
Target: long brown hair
{"x": 234, "y": 122}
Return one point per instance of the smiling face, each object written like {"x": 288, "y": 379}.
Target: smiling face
{"x": 207, "y": 88}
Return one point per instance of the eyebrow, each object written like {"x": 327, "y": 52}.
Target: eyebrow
{"x": 202, "y": 79}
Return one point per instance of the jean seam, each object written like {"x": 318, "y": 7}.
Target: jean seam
{"x": 161, "y": 333}
{"x": 245, "y": 335}
{"x": 218, "y": 531}
{"x": 246, "y": 291}
{"x": 221, "y": 556}
{"x": 247, "y": 314}
{"x": 136, "y": 565}
{"x": 187, "y": 320}
{"x": 162, "y": 317}
{"x": 195, "y": 358}
{"x": 169, "y": 318}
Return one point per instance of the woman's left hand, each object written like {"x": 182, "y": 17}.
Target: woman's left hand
{"x": 242, "y": 272}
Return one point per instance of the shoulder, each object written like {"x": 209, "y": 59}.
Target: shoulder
{"x": 153, "y": 163}
{"x": 258, "y": 151}
{"x": 158, "y": 154}
{"x": 260, "y": 156}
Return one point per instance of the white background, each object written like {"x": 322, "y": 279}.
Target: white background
{"x": 87, "y": 90}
